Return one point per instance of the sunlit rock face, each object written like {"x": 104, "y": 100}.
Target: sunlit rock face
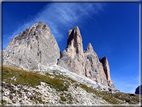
{"x": 84, "y": 63}
{"x": 31, "y": 48}
{"x": 72, "y": 57}
{"x": 36, "y": 49}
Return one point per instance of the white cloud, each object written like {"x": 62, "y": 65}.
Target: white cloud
{"x": 60, "y": 16}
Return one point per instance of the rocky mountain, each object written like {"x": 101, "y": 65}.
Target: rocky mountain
{"x": 138, "y": 90}
{"x": 32, "y": 48}
{"x": 36, "y": 72}
{"x": 73, "y": 71}
{"x": 35, "y": 49}
{"x": 85, "y": 63}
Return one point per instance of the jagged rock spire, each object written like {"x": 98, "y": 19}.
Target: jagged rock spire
{"x": 72, "y": 34}
{"x": 89, "y": 47}
{"x": 75, "y": 61}
{"x": 84, "y": 63}
{"x": 106, "y": 68}
{"x": 74, "y": 42}
{"x": 104, "y": 61}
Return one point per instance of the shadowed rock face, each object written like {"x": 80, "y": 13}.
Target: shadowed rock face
{"x": 96, "y": 70}
{"x": 74, "y": 43}
{"x": 32, "y": 47}
{"x": 84, "y": 63}
{"x": 138, "y": 90}
{"x": 93, "y": 67}
{"x": 105, "y": 64}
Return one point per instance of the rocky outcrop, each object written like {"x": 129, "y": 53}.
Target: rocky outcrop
{"x": 73, "y": 57}
{"x": 104, "y": 61}
{"x": 84, "y": 63}
{"x": 96, "y": 70}
{"x": 36, "y": 49}
{"x": 33, "y": 47}
{"x": 138, "y": 90}
{"x": 93, "y": 67}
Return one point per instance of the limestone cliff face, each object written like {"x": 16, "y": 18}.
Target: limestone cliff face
{"x": 104, "y": 61}
{"x": 84, "y": 63}
{"x": 33, "y": 47}
{"x": 73, "y": 57}
{"x": 93, "y": 67}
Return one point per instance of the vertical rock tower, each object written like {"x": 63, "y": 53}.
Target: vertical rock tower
{"x": 75, "y": 49}
{"x": 84, "y": 63}
{"x": 72, "y": 58}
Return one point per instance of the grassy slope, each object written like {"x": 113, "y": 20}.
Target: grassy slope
{"x": 61, "y": 83}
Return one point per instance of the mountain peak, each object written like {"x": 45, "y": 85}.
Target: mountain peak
{"x": 76, "y": 28}
{"x": 74, "y": 42}
{"x": 32, "y": 47}
{"x": 73, "y": 35}
{"x": 36, "y": 48}
{"x": 89, "y": 47}
{"x": 106, "y": 68}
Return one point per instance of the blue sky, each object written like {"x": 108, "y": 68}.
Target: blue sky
{"x": 111, "y": 28}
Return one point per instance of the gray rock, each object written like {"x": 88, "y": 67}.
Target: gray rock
{"x": 84, "y": 63}
{"x": 68, "y": 62}
{"x": 33, "y": 47}
{"x": 93, "y": 68}
{"x": 73, "y": 57}
{"x": 36, "y": 49}
{"x": 96, "y": 70}
{"x": 105, "y": 64}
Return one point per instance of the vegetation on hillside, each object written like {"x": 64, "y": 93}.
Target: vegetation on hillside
{"x": 61, "y": 83}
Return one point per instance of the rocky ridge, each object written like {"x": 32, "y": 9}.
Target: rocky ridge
{"x": 35, "y": 49}
{"x": 85, "y": 63}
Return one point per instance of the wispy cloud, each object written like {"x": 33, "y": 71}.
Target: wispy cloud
{"x": 59, "y": 17}
{"x": 127, "y": 85}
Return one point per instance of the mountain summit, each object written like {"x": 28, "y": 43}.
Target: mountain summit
{"x": 84, "y": 63}
{"x": 35, "y": 49}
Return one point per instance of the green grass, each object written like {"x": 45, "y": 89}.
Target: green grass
{"x": 4, "y": 102}
{"x": 61, "y": 83}
{"x": 63, "y": 98}
{"x": 127, "y": 97}
{"x": 33, "y": 79}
